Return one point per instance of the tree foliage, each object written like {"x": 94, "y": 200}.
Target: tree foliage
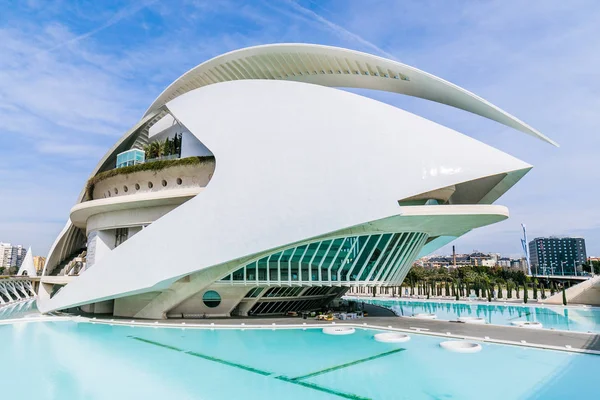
{"x": 482, "y": 280}
{"x": 168, "y": 147}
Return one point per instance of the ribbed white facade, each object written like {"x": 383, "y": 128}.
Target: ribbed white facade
{"x": 297, "y": 190}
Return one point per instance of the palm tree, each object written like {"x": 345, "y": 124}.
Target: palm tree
{"x": 500, "y": 282}
{"x": 457, "y": 290}
{"x": 509, "y": 287}
{"x": 487, "y": 284}
{"x": 148, "y": 151}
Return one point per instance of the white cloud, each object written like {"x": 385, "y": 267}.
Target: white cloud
{"x": 125, "y": 12}
{"x": 339, "y": 30}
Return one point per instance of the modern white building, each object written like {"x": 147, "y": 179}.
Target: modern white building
{"x": 275, "y": 190}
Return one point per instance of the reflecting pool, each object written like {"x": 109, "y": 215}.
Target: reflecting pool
{"x": 80, "y": 360}
{"x": 564, "y": 318}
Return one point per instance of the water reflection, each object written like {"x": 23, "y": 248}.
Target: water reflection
{"x": 18, "y": 310}
{"x": 563, "y": 318}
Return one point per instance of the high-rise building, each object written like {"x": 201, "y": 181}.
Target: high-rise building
{"x": 557, "y": 255}
{"x": 5, "y": 253}
{"x": 38, "y": 262}
{"x": 17, "y": 255}
{"x": 11, "y": 256}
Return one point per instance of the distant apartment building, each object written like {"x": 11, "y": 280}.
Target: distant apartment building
{"x": 557, "y": 255}
{"x": 504, "y": 262}
{"x": 38, "y": 263}
{"x": 11, "y": 256}
{"x": 473, "y": 259}
{"x": 483, "y": 259}
{"x": 519, "y": 264}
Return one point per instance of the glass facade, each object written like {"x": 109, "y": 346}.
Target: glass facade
{"x": 130, "y": 157}
{"x": 282, "y": 307}
{"x": 379, "y": 258}
{"x": 557, "y": 256}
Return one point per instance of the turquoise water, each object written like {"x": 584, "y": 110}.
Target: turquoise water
{"x": 69, "y": 360}
{"x": 564, "y": 318}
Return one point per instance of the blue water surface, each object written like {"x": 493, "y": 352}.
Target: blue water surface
{"x": 80, "y": 360}
{"x": 551, "y": 317}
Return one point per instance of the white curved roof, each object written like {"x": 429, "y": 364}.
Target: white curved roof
{"x": 335, "y": 67}
{"x": 286, "y": 177}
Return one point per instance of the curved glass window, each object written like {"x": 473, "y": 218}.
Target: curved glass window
{"x": 211, "y": 299}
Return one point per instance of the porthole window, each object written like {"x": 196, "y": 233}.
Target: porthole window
{"x": 137, "y": 186}
{"x": 179, "y": 181}
{"x": 150, "y": 185}
{"x": 211, "y": 299}
{"x": 164, "y": 183}
{"x": 116, "y": 191}
{"x": 125, "y": 189}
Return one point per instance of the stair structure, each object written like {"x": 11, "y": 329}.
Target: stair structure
{"x": 586, "y": 292}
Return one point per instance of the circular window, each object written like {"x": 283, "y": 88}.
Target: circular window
{"x": 179, "y": 181}
{"x": 164, "y": 183}
{"x": 137, "y": 186}
{"x": 116, "y": 191}
{"x": 211, "y": 299}
{"x": 150, "y": 185}
{"x": 125, "y": 189}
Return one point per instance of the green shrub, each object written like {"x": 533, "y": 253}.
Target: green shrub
{"x": 543, "y": 291}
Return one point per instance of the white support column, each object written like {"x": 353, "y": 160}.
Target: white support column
{"x": 13, "y": 290}
{"x": 350, "y": 251}
{"x": 306, "y": 246}
{"x": 290, "y": 266}
{"x": 335, "y": 258}
{"x": 408, "y": 263}
{"x": 29, "y": 286}
{"x": 394, "y": 246}
{"x": 311, "y": 261}
{"x": 4, "y": 290}
{"x": 323, "y": 259}
{"x": 408, "y": 259}
{"x": 387, "y": 268}
{"x": 413, "y": 240}
{"x": 367, "y": 259}
{"x": 21, "y": 288}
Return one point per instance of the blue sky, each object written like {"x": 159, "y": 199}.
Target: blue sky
{"x": 74, "y": 75}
